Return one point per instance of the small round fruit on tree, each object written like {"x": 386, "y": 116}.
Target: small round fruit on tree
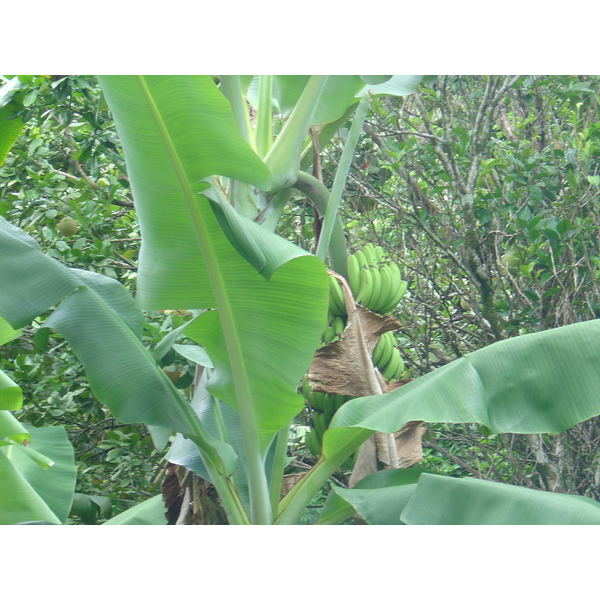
{"x": 67, "y": 226}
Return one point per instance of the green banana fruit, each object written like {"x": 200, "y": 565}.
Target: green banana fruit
{"x": 312, "y": 442}
{"x": 393, "y": 365}
{"x": 317, "y": 400}
{"x": 366, "y": 287}
{"x": 320, "y": 422}
{"x": 382, "y": 350}
{"x": 328, "y": 407}
{"x": 338, "y": 325}
{"x": 376, "y": 282}
{"x": 336, "y": 298}
{"x": 305, "y": 387}
{"x": 388, "y": 351}
{"x": 370, "y": 255}
{"x": 399, "y": 370}
{"x": 394, "y": 302}
{"x": 377, "y": 287}
{"x": 353, "y": 273}
{"x": 361, "y": 258}
{"x": 328, "y": 334}
{"x": 339, "y": 401}
{"x": 387, "y": 287}
{"x": 398, "y": 288}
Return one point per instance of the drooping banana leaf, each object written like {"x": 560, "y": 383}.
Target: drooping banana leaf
{"x": 538, "y": 383}
{"x": 30, "y": 493}
{"x": 11, "y": 396}
{"x": 99, "y": 320}
{"x": 397, "y": 85}
{"x": 378, "y": 498}
{"x": 12, "y": 431}
{"x": 414, "y": 497}
{"x": 542, "y": 382}
{"x": 149, "y": 512}
{"x": 268, "y": 324}
{"x": 340, "y": 92}
{"x": 468, "y": 501}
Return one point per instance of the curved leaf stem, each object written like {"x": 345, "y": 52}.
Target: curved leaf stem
{"x": 294, "y": 503}
{"x": 319, "y": 196}
{"x": 230, "y": 88}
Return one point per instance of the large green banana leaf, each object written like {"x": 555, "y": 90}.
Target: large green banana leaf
{"x": 11, "y": 396}
{"x": 270, "y": 315}
{"x": 99, "y": 320}
{"x": 538, "y": 383}
{"x": 175, "y": 132}
{"x": 340, "y": 92}
{"x": 378, "y": 498}
{"x": 29, "y": 492}
{"x": 149, "y": 512}
{"x": 453, "y": 501}
{"x": 542, "y": 382}
{"x": 413, "y": 497}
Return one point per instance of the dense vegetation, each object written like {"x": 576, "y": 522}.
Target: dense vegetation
{"x": 484, "y": 189}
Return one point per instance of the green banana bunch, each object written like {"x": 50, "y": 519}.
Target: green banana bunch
{"x": 334, "y": 329}
{"x": 337, "y": 307}
{"x": 320, "y": 423}
{"x": 375, "y": 281}
{"x": 387, "y": 358}
{"x": 325, "y": 403}
{"x": 313, "y": 442}
{"x": 323, "y": 407}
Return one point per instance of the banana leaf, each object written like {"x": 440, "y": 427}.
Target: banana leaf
{"x": 378, "y": 498}
{"x": 149, "y": 512}
{"x": 270, "y": 315}
{"x": 415, "y": 497}
{"x": 11, "y": 396}
{"x": 27, "y": 491}
{"x": 339, "y": 93}
{"x": 99, "y": 320}
{"x": 542, "y": 382}
{"x": 467, "y": 501}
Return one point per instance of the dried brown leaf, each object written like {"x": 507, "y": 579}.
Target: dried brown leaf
{"x": 344, "y": 367}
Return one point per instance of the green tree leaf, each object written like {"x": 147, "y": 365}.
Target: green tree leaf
{"x": 11, "y": 102}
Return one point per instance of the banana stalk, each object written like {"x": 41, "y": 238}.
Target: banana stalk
{"x": 264, "y": 116}
{"x": 283, "y": 159}
{"x": 341, "y": 175}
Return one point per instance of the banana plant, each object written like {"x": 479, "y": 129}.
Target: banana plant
{"x": 37, "y": 466}
{"x": 209, "y": 184}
